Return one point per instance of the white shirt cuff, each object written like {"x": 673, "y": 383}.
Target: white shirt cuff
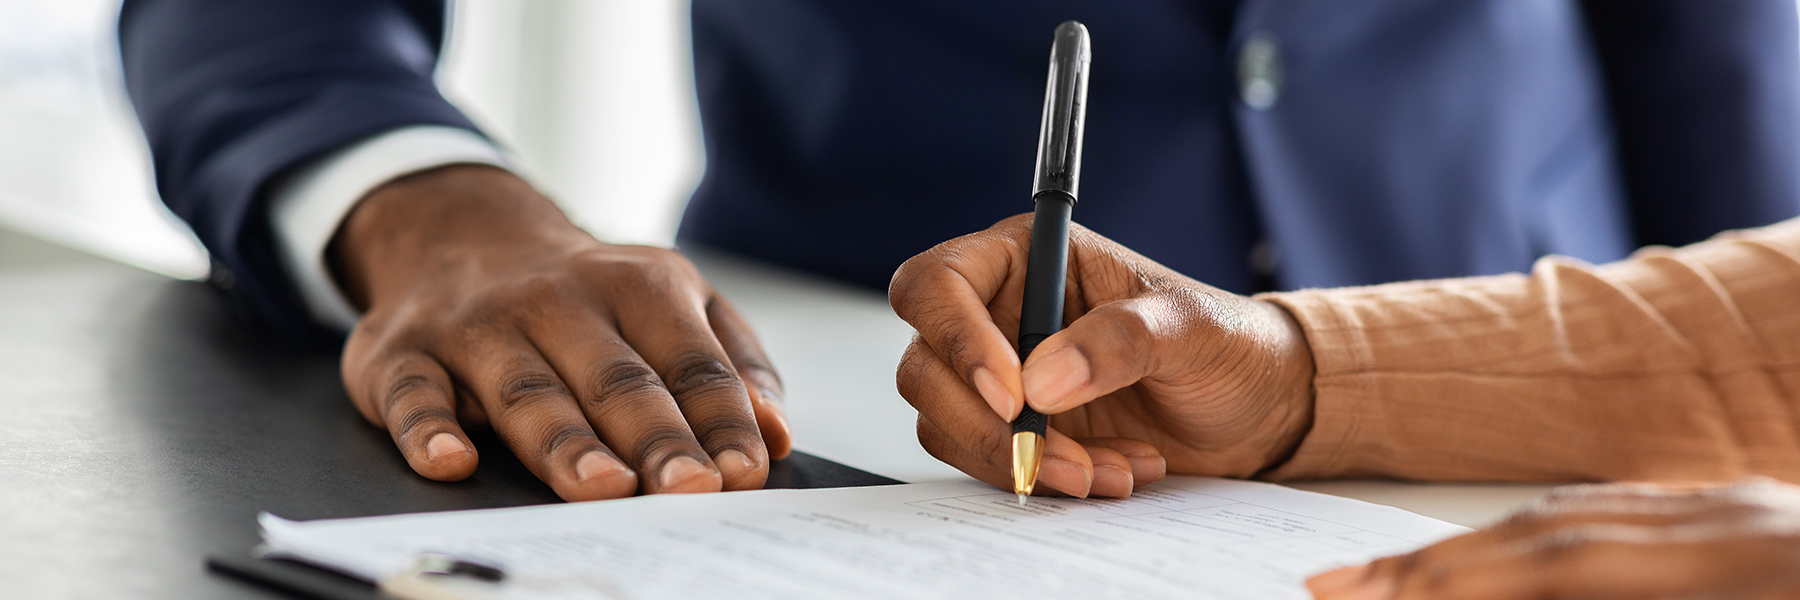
{"x": 306, "y": 207}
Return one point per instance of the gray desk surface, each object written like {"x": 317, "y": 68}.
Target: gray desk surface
{"x": 141, "y": 428}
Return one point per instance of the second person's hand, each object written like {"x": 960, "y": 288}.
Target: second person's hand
{"x": 1623, "y": 541}
{"x": 608, "y": 370}
{"x": 1154, "y": 372}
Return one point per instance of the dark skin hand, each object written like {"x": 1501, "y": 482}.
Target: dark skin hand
{"x": 1154, "y": 372}
{"x": 608, "y": 370}
{"x": 1602, "y": 542}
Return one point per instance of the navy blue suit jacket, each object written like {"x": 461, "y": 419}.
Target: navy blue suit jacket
{"x": 1407, "y": 139}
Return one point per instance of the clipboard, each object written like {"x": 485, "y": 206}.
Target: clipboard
{"x": 296, "y": 579}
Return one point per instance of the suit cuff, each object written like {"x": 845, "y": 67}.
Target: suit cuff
{"x": 306, "y": 207}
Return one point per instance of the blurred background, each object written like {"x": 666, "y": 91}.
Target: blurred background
{"x": 593, "y": 98}
{"x": 544, "y": 77}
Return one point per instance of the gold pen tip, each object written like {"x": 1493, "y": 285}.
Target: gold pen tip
{"x": 1028, "y": 453}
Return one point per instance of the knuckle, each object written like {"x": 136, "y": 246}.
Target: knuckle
{"x": 909, "y": 377}
{"x": 915, "y": 290}
{"x": 360, "y": 348}
{"x": 416, "y": 417}
{"x": 699, "y": 373}
{"x": 474, "y": 319}
{"x": 1128, "y": 325}
{"x": 651, "y": 270}
{"x": 539, "y": 288}
{"x": 928, "y": 433}
{"x": 622, "y": 379}
{"x": 407, "y": 385}
{"x": 563, "y": 434}
{"x": 903, "y": 288}
{"x": 528, "y": 386}
{"x": 369, "y": 357}
{"x": 657, "y": 439}
{"x": 726, "y": 427}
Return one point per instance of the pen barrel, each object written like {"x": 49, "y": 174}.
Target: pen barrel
{"x": 1046, "y": 271}
{"x": 1046, "y": 280}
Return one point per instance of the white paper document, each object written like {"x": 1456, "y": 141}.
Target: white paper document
{"x": 1184, "y": 537}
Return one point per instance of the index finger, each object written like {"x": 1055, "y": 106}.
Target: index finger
{"x": 945, "y": 292}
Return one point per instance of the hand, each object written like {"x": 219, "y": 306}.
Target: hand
{"x": 1154, "y": 371}
{"x": 1740, "y": 541}
{"x": 609, "y": 370}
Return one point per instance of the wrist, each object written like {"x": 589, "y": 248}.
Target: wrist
{"x": 1293, "y": 386}
{"x": 398, "y": 229}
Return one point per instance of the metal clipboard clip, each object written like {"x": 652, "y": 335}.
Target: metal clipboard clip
{"x": 434, "y": 576}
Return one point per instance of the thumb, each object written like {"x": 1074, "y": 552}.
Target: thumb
{"x": 1108, "y": 348}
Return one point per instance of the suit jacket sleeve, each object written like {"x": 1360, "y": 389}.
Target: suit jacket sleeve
{"x": 1705, "y": 100}
{"x": 233, "y": 93}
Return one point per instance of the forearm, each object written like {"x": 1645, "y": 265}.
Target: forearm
{"x": 1674, "y": 364}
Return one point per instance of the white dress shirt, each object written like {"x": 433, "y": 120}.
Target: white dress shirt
{"x": 305, "y": 208}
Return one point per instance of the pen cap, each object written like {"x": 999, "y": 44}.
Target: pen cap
{"x": 1065, "y": 110}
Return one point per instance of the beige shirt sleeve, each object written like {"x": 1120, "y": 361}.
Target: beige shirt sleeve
{"x": 1674, "y": 364}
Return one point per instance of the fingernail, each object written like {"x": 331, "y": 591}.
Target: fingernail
{"x": 1146, "y": 470}
{"x": 1052, "y": 378}
{"x": 442, "y": 445}
{"x": 1337, "y": 580}
{"x": 595, "y": 464}
{"x": 776, "y": 409}
{"x": 1065, "y": 476}
{"x": 994, "y": 393}
{"x": 733, "y": 462}
{"x": 683, "y": 474}
{"x": 1111, "y": 482}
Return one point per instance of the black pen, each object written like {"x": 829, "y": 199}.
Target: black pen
{"x": 1054, "y": 191}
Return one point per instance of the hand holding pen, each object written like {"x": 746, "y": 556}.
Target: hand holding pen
{"x": 1155, "y": 373}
